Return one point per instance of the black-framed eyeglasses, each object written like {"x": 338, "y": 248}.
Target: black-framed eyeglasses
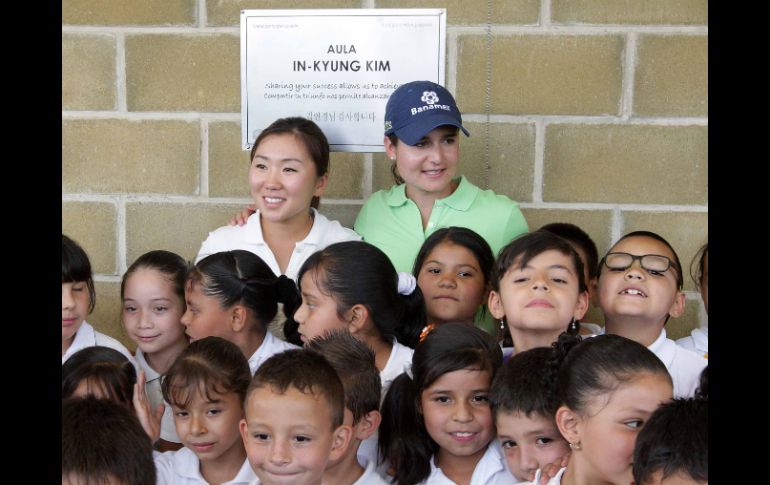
{"x": 649, "y": 262}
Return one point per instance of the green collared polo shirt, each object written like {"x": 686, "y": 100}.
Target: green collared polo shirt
{"x": 392, "y": 222}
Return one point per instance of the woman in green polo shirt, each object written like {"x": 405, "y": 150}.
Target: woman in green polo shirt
{"x": 422, "y": 125}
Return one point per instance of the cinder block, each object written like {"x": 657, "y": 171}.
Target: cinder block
{"x": 129, "y": 12}
{"x": 88, "y": 72}
{"x": 511, "y": 158}
{"x": 542, "y": 74}
{"x": 228, "y": 12}
{"x": 183, "y": 73}
{"x": 180, "y": 227}
{"x": 475, "y": 11}
{"x": 672, "y": 76}
{"x": 684, "y": 12}
{"x": 93, "y": 226}
{"x": 130, "y": 156}
{"x": 228, "y": 163}
{"x": 639, "y": 164}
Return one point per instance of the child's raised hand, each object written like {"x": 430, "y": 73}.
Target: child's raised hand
{"x": 150, "y": 421}
{"x": 240, "y": 218}
{"x": 550, "y": 470}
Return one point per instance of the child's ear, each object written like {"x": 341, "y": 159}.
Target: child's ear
{"x": 340, "y": 442}
{"x": 320, "y": 185}
{"x": 593, "y": 288}
{"x": 582, "y": 305}
{"x": 238, "y": 318}
{"x": 367, "y": 425}
{"x": 357, "y": 317}
{"x": 495, "y": 305}
{"x": 244, "y": 428}
{"x": 568, "y": 423}
{"x": 677, "y": 308}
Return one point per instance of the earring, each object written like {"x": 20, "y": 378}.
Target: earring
{"x": 573, "y": 326}
{"x": 393, "y": 158}
{"x": 574, "y": 446}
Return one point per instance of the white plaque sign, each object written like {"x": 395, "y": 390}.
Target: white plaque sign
{"x": 336, "y": 67}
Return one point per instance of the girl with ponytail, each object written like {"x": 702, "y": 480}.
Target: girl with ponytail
{"x": 235, "y": 295}
{"x": 605, "y": 389}
{"x": 437, "y": 425}
{"x": 353, "y": 286}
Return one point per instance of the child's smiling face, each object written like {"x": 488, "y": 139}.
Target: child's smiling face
{"x": 637, "y": 293}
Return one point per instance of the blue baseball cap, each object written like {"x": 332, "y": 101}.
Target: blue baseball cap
{"x": 417, "y": 108}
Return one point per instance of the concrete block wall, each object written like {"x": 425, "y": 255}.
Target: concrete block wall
{"x": 587, "y": 111}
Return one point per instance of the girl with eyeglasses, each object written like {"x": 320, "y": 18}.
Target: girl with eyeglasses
{"x": 640, "y": 288}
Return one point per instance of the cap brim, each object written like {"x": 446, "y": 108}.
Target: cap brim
{"x": 412, "y": 133}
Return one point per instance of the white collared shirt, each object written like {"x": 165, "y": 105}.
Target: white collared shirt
{"x": 155, "y": 395}
{"x": 249, "y": 237}
{"x": 683, "y": 365}
{"x": 270, "y": 346}
{"x": 697, "y": 341}
{"x": 183, "y": 468}
{"x": 370, "y": 476}
{"x": 87, "y": 336}
{"x": 490, "y": 470}
{"x": 400, "y": 361}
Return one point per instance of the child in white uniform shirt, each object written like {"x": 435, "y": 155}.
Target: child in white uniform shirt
{"x": 640, "y": 283}
{"x": 698, "y": 340}
{"x": 294, "y": 417}
{"x": 524, "y": 411}
{"x": 206, "y": 386}
{"x": 437, "y": 426}
{"x": 78, "y": 298}
{"x": 289, "y": 172}
{"x": 606, "y": 388}
{"x": 152, "y": 294}
{"x": 538, "y": 289}
{"x": 353, "y": 286}
{"x": 353, "y": 361}
{"x": 234, "y": 295}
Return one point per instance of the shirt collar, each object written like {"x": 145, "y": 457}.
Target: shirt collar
{"x": 149, "y": 373}
{"x": 664, "y": 348}
{"x": 254, "y": 230}
{"x": 189, "y": 467}
{"x": 84, "y": 337}
{"x": 461, "y": 199}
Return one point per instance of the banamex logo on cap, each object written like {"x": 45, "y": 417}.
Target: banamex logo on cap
{"x": 429, "y": 97}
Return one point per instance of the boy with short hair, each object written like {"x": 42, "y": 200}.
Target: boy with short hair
{"x": 524, "y": 414}
{"x": 640, "y": 288}
{"x": 294, "y": 419}
{"x": 354, "y": 362}
{"x": 672, "y": 447}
